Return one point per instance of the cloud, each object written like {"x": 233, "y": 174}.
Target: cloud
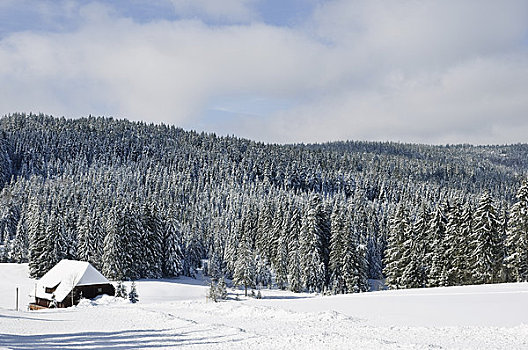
{"x": 161, "y": 71}
{"x": 481, "y": 101}
{"x": 225, "y": 10}
{"x": 417, "y": 71}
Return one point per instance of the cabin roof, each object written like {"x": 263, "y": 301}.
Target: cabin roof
{"x": 65, "y": 276}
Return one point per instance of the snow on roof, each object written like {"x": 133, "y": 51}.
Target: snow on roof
{"x": 66, "y": 275}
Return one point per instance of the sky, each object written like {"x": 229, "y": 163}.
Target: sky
{"x": 280, "y": 71}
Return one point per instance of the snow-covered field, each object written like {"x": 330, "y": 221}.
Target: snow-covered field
{"x": 175, "y": 313}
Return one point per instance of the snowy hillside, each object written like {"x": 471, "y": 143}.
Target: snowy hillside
{"x": 173, "y": 313}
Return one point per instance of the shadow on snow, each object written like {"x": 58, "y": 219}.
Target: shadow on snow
{"x": 127, "y": 339}
{"x": 15, "y": 316}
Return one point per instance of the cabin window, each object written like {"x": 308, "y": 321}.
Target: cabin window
{"x": 99, "y": 290}
{"x": 50, "y": 290}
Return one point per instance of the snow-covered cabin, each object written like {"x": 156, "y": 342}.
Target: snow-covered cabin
{"x": 68, "y": 282}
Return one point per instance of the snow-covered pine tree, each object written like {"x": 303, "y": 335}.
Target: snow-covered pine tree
{"x": 262, "y": 272}
{"x": 6, "y": 251}
{"x": 213, "y": 267}
{"x": 114, "y": 248}
{"x": 487, "y": 258}
{"x": 230, "y": 251}
{"x": 245, "y": 270}
{"x": 395, "y": 261}
{"x": 121, "y": 291}
{"x": 221, "y": 289}
{"x": 5, "y": 161}
{"x": 293, "y": 232}
{"x": 340, "y": 237}
{"x": 212, "y": 295}
{"x": 133, "y": 295}
{"x": 9, "y": 214}
{"x": 436, "y": 250}
{"x": 451, "y": 272}
{"x": 350, "y": 271}
{"x": 68, "y": 234}
{"x": 375, "y": 245}
{"x": 517, "y": 236}
{"x": 37, "y": 243}
{"x": 88, "y": 241}
{"x": 20, "y": 244}
{"x": 212, "y": 291}
{"x": 465, "y": 247}
{"x": 359, "y": 249}
{"x": 83, "y": 248}
{"x": 280, "y": 251}
{"x": 130, "y": 228}
{"x": 172, "y": 253}
{"x": 192, "y": 250}
{"x": 415, "y": 274}
{"x": 312, "y": 241}
{"x": 55, "y": 249}
{"x": 502, "y": 251}
{"x": 152, "y": 236}
{"x": 264, "y": 239}
{"x": 281, "y": 263}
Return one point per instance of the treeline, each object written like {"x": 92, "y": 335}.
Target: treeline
{"x": 457, "y": 243}
{"x": 147, "y": 201}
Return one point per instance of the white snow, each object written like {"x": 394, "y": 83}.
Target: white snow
{"x": 175, "y": 313}
{"x": 65, "y": 276}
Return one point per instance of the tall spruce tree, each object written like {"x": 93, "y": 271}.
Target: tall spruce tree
{"x": 151, "y": 241}
{"x": 172, "y": 252}
{"x": 294, "y": 259}
{"x": 313, "y": 237}
{"x": 114, "y": 247}
{"x": 90, "y": 232}
{"x": 465, "y": 246}
{"x": 37, "y": 243}
{"x": 436, "y": 246}
{"x": 452, "y": 271}
{"x": 340, "y": 235}
{"x": 517, "y": 236}
{"x": 20, "y": 245}
{"x": 395, "y": 261}
{"x": 414, "y": 273}
{"x": 487, "y": 257}
{"x": 358, "y": 248}
{"x": 245, "y": 270}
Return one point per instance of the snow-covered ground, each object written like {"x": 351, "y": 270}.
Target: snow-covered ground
{"x": 175, "y": 313}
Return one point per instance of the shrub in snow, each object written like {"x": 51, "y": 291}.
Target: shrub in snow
{"x": 212, "y": 291}
{"x": 218, "y": 290}
{"x": 121, "y": 291}
{"x": 221, "y": 289}
{"x": 133, "y": 296}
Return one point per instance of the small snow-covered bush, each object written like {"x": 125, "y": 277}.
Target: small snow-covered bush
{"x": 121, "y": 291}
{"x": 133, "y": 296}
{"x": 218, "y": 290}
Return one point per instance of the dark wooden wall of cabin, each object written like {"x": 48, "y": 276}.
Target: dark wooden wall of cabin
{"x": 87, "y": 292}
{"x": 91, "y": 291}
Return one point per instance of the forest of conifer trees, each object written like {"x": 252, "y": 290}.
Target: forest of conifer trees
{"x": 150, "y": 201}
